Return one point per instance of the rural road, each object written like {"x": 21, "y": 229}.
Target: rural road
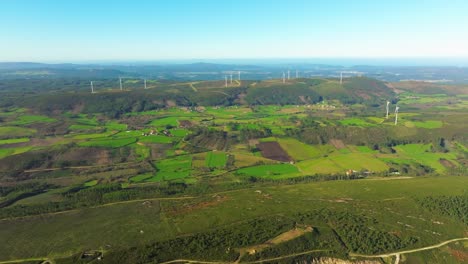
{"x": 397, "y": 254}
{"x": 252, "y": 262}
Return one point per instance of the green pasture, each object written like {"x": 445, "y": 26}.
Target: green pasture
{"x": 165, "y": 121}
{"x": 356, "y": 122}
{"x": 30, "y": 119}
{"x": 108, "y": 142}
{"x": 422, "y": 154}
{"x": 5, "y": 152}
{"x": 156, "y": 139}
{"x": 174, "y": 168}
{"x": 80, "y": 127}
{"x": 91, "y": 183}
{"x": 16, "y": 132}
{"x": 269, "y": 171}
{"x": 93, "y": 135}
{"x": 216, "y": 159}
{"x": 141, "y": 177}
{"x": 430, "y": 124}
{"x": 142, "y": 151}
{"x": 300, "y": 151}
{"x": 13, "y": 141}
{"x": 112, "y": 125}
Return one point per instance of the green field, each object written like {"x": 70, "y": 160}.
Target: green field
{"x": 108, "y": 143}
{"x": 15, "y": 132}
{"x": 141, "y": 177}
{"x": 82, "y": 127}
{"x": 156, "y": 139}
{"x": 5, "y": 152}
{"x": 356, "y": 122}
{"x": 13, "y": 141}
{"x": 165, "y": 121}
{"x": 269, "y": 171}
{"x": 300, "y": 151}
{"x": 274, "y": 169}
{"x": 216, "y": 159}
{"x": 30, "y": 119}
{"x": 175, "y": 168}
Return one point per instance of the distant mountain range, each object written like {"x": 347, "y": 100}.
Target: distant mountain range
{"x": 218, "y": 71}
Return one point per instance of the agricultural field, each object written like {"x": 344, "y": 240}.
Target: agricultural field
{"x": 216, "y": 160}
{"x": 199, "y": 172}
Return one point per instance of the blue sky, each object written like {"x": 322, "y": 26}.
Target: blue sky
{"x": 91, "y": 30}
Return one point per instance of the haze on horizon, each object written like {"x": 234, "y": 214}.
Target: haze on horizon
{"x": 85, "y": 30}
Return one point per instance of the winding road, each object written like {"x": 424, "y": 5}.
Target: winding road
{"x": 397, "y": 254}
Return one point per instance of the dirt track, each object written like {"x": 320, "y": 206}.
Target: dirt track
{"x": 397, "y": 254}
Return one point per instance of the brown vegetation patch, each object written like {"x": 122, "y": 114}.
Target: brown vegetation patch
{"x": 284, "y": 237}
{"x": 461, "y": 256}
{"x": 273, "y": 150}
{"x": 337, "y": 143}
{"x": 363, "y": 95}
{"x": 185, "y": 123}
{"x": 51, "y": 129}
{"x": 95, "y": 156}
{"x": 447, "y": 163}
{"x": 187, "y": 208}
{"x": 136, "y": 122}
{"x": 158, "y": 150}
{"x": 341, "y": 261}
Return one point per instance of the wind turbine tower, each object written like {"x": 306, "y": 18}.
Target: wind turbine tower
{"x": 144, "y": 82}
{"x": 288, "y": 74}
{"x": 388, "y": 104}
{"x": 120, "y": 82}
{"x": 92, "y": 87}
{"x": 284, "y": 78}
{"x": 225, "y": 81}
{"x": 239, "y": 75}
{"x": 341, "y": 78}
{"x": 231, "y": 78}
{"x": 396, "y": 115}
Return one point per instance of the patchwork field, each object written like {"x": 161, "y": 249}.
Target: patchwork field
{"x": 255, "y": 175}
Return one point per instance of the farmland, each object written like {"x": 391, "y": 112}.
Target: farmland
{"x": 143, "y": 172}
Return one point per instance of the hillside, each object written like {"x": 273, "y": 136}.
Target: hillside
{"x": 63, "y": 95}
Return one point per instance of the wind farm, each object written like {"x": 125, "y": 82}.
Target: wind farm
{"x": 204, "y": 132}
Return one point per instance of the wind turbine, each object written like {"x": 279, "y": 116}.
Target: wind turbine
{"x": 288, "y": 74}
{"x": 239, "y": 75}
{"x": 225, "y": 81}
{"x": 284, "y": 80}
{"x": 144, "y": 80}
{"x": 120, "y": 82}
{"x": 341, "y": 78}
{"x": 92, "y": 87}
{"x": 396, "y": 114}
{"x": 231, "y": 78}
{"x": 388, "y": 103}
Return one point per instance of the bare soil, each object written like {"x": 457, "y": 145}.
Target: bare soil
{"x": 273, "y": 150}
{"x": 338, "y": 144}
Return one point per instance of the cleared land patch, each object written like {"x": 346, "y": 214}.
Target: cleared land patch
{"x": 273, "y": 150}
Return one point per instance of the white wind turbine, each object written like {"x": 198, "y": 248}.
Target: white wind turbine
{"x": 396, "y": 114}
{"x": 388, "y": 104}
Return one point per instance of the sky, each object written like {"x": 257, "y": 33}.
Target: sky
{"x": 137, "y": 30}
